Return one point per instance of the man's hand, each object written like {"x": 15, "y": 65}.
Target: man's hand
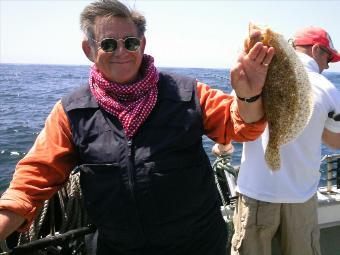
{"x": 331, "y": 139}
{"x": 221, "y": 149}
{"x": 249, "y": 73}
{"x": 248, "y": 77}
{"x": 9, "y": 222}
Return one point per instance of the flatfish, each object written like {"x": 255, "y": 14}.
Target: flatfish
{"x": 287, "y": 93}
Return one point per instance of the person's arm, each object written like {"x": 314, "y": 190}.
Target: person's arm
{"x": 221, "y": 119}
{"x": 331, "y": 139}
{"x": 247, "y": 79}
{"x": 9, "y": 222}
{"x": 39, "y": 174}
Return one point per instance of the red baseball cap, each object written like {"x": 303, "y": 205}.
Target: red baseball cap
{"x": 316, "y": 35}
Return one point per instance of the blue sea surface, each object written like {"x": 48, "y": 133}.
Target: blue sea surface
{"x": 28, "y": 93}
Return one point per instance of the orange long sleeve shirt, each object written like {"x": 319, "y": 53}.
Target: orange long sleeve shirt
{"x": 49, "y": 162}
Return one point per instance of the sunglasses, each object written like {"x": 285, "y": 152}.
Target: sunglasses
{"x": 111, "y": 44}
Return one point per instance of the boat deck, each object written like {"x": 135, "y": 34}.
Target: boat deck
{"x": 329, "y": 208}
{"x": 330, "y": 240}
{"x": 329, "y": 220}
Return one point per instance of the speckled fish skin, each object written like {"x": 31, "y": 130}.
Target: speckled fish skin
{"x": 287, "y": 94}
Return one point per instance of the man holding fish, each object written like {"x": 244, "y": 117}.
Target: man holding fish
{"x": 136, "y": 135}
{"x": 281, "y": 201}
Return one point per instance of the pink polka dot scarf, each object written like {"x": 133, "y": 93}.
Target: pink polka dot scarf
{"x": 130, "y": 103}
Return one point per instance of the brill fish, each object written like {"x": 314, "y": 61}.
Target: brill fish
{"x": 287, "y": 93}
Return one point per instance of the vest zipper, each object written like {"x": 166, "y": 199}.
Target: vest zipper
{"x": 130, "y": 169}
{"x": 131, "y": 184}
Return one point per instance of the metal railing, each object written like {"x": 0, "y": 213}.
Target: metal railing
{"x": 333, "y": 171}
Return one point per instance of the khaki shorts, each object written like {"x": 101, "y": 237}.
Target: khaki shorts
{"x": 256, "y": 223}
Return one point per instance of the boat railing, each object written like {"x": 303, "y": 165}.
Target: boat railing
{"x": 332, "y": 171}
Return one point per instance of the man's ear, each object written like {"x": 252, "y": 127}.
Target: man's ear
{"x": 88, "y": 50}
{"x": 315, "y": 50}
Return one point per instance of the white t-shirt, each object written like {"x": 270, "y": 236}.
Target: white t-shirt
{"x": 297, "y": 179}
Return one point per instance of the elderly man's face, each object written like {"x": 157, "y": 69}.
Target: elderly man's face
{"x": 120, "y": 66}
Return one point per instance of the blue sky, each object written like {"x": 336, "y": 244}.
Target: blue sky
{"x": 179, "y": 33}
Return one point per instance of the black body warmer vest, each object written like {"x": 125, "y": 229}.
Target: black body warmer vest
{"x": 156, "y": 189}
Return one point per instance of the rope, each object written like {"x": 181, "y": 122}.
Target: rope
{"x": 3, "y": 246}
{"x": 222, "y": 164}
{"x": 73, "y": 216}
{"x": 73, "y": 207}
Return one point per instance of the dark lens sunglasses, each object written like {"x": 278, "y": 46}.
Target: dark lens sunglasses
{"x": 111, "y": 44}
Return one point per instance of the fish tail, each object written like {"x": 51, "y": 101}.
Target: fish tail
{"x": 272, "y": 157}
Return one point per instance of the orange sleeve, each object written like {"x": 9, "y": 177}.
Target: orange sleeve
{"x": 221, "y": 119}
{"x": 43, "y": 170}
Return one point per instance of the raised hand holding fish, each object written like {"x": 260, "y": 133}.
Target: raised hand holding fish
{"x": 248, "y": 77}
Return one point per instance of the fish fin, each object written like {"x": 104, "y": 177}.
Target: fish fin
{"x": 253, "y": 39}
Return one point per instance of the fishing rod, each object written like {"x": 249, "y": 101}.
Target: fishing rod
{"x": 47, "y": 241}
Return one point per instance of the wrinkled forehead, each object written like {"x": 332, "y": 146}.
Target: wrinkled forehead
{"x": 116, "y": 27}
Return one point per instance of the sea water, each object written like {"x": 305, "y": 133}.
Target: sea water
{"x": 28, "y": 93}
